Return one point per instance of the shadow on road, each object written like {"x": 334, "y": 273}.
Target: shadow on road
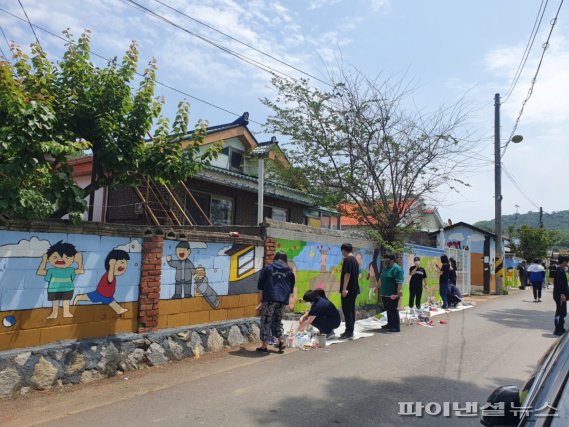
{"x": 252, "y": 354}
{"x": 359, "y": 402}
{"x": 521, "y": 318}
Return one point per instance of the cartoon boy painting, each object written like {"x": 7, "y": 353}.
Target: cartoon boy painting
{"x": 61, "y": 257}
{"x": 115, "y": 264}
{"x": 185, "y": 271}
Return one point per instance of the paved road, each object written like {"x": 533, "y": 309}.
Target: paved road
{"x": 357, "y": 383}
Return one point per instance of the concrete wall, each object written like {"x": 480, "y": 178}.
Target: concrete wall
{"x": 142, "y": 274}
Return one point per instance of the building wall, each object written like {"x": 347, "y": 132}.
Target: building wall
{"x": 461, "y": 237}
{"x": 122, "y": 202}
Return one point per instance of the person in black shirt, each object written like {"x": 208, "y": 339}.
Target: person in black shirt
{"x": 418, "y": 280}
{"x": 349, "y": 289}
{"x": 560, "y": 295}
{"x": 523, "y": 274}
{"x": 322, "y": 315}
{"x": 444, "y": 276}
{"x": 452, "y": 271}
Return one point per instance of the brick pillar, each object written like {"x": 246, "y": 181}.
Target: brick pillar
{"x": 149, "y": 294}
{"x": 270, "y": 249}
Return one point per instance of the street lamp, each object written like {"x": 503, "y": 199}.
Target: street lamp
{"x": 498, "y": 193}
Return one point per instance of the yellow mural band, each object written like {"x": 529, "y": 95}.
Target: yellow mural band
{"x": 500, "y": 267}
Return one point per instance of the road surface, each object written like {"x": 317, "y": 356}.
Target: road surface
{"x": 357, "y": 383}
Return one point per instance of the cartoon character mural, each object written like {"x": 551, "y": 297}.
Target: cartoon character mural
{"x": 61, "y": 256}
{"x": 214, "y": 269}
{"x": 71, "y": 267}
{"x": 115, "y": 265}
{"x": 185, "y": 270}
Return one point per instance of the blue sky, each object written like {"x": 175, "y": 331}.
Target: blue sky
{"x": 448, "y": 49}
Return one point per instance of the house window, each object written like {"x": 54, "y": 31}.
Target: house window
{"x": 221, "y": 210}
{"x": 279, "y": 214}
{"x": 203, "y": 200}
{"x": 329, "y": 221}
{"x": 236, "y": 160}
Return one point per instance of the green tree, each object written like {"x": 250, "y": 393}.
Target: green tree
{"x": 532, "y": 243}
{"x": 358, "y": 143}
{"x": 53, "y": 112}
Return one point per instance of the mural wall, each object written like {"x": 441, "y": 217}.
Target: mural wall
{"x": 429, "y": 258}
{"x": 61, "y": 286}
{"x": 318, "y": 266}
{"x": 203, "y": 282}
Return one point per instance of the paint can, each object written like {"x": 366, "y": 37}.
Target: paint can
{"x": 321, "y": 340}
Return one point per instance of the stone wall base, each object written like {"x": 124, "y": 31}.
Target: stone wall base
{"x": 74, "y": 362}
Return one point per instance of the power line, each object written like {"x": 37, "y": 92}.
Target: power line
{"x": 6, "y": 39}
{"x": 238, "y": 55}
{"x": 2, "y": 50}
{"x": 529, "y": 45}
{"x": 166, "y": 85}
{"x": 30, "y": 23}
{"x": 545, "y": 46}
{"x": 519, "y": 187}
{"x": 242, "y": 42}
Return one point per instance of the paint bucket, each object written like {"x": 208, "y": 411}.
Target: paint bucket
{"x": 321, "y": 340}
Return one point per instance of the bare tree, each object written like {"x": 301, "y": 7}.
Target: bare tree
{"x": 363, "y": 144}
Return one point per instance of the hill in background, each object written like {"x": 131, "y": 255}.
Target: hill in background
{"x": 558, "y": 221}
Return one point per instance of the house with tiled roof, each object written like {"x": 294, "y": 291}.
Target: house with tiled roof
{"x": 222, "y": 193}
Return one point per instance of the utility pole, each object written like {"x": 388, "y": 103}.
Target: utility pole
{"x": 498, "y": 196}
{"x": 540, "y": 217}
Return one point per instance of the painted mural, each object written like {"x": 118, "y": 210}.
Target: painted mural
{"x": 64, "y": 272}
{"x": 191, "y": 269}
{"x": 319, "y": 266}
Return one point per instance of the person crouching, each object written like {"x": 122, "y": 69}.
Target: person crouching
{"x": 323, "y": 315}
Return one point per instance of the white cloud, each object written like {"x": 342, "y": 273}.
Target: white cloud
{"x": 380, "y": 5}
{"x": 318, "y": 4}
{"x": 33, "y": 248}
{"x": 198, "y": 245}
{"x": 133, "y": 246}
{"x": 456, "y": 237}
{"x": 224, "y": 249}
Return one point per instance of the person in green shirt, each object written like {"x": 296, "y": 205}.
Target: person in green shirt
{"x": 390, "y": 289}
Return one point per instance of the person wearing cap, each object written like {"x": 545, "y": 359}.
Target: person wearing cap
{"x": 418, "y": 279}
{"x": 390, "y": 288}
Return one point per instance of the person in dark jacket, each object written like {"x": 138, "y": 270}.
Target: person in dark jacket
{"x": 276, "y": 284}
{"x": 452, "y": 277}
{"x": 454, "y": 295}
{"x": 560, "y": 294}
{"x": 323, "y": 315}
{"x": 523, "y": 274}
{"x": 444, "y": 278}
{"x": 536, "y": 274}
